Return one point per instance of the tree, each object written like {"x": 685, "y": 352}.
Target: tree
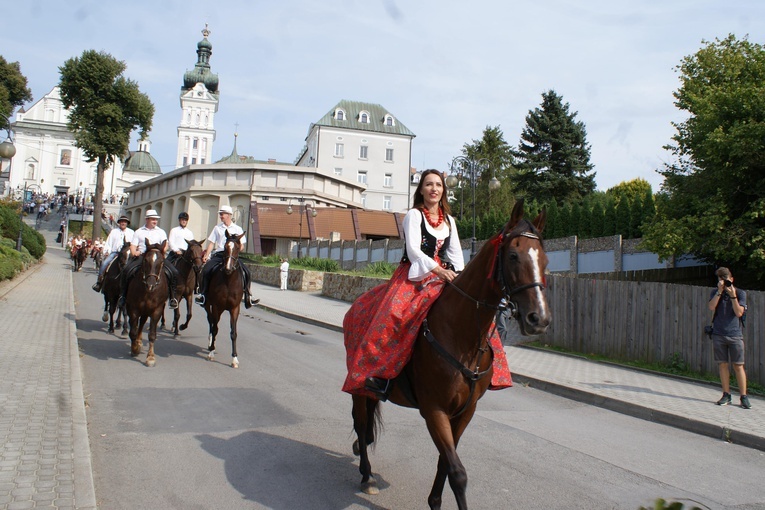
{"x": 495, "y": 159}
{"x": 13, "y": 87}
{"x": 597, "y": 215}
{"x": 630, "y": 190}
{"x": 715, "y": 191}
{"x": 553, "y": 154}
{"x": 104, "y": 108}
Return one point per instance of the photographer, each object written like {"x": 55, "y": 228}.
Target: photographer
{"x": 728, "y": 304}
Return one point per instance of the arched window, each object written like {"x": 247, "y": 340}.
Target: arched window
{"x": 30, "y": 171}
{"x": 364, "y": 117}
{"x": 339, "y": 114}
{"x": 389, "y": 120}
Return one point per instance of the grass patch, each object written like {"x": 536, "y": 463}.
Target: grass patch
{"x": 673, "y": 365}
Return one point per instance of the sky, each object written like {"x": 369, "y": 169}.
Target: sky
{"x": 443, "y": 68}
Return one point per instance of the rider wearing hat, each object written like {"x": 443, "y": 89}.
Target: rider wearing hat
{"x": 216, "y": 243}
{"x": 178, "y": 238}
{"x": 155, "y": 235}
{"x": 114, "y": 242}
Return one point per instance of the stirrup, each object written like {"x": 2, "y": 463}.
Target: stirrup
{"x": 380, "y": 387}
{"x": 200, "y": 299}
{"x": 173, "y": 304}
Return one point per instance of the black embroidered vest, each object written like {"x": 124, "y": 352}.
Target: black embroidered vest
{"x": 428, "y": 244}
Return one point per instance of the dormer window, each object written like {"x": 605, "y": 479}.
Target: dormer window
{"x": 339, "y": 114}
{"x": 388, "y": 120}
{"x": 364, "y": 117}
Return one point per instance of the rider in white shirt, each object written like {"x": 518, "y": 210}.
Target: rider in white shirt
{"x": 114, "y": 243}
{"x": 178, "y": 238}
{"x": 155, "y": 235}
{"x": 215, "y": 245}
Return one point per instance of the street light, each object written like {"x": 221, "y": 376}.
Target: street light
{"x": 21, "y": 212}
{"x": 464, "y": 169}
{"x": 7, "y": 149}
{"x": 303, "y": 207}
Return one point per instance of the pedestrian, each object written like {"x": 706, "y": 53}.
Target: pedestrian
{"x": 729, "y": 306}
{"x": 284, "y": 272}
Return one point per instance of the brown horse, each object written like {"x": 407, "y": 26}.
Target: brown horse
{"x": 224, "y": 292}
{"x": 146, "y": 295}
{"x": 78, "y": 257}
{"x": 451, "y": 364}
{"x": 189, "y": 265}
{"x": 111, "y": 291}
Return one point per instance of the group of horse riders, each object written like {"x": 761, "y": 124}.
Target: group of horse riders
{"x": 177, "y": 243}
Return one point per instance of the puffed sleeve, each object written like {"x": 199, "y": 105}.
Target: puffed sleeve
{"x": 422, "y": 265}
{"x": 454, "y": 251}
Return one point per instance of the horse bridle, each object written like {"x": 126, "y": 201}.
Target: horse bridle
{"x": 191, "y": 260}
{"x": 157, "y": 277}
{"x": 235, "y": 259}
{"x": 476, "y": 374}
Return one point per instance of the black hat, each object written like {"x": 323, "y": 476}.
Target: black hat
{"x": 123, "y": 218}
{"x": 183, "y": 216}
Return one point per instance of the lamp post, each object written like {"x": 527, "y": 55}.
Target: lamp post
{"x": 7, "y": 149}
{"x": 464, "y": 169}
{"x": 21, "y": 212}
{"x": 303, "y": 207}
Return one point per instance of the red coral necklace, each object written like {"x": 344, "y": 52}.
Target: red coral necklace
{"x": 437, "y": 223}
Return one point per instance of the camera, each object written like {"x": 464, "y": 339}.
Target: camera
{"x": 727, "y": 283}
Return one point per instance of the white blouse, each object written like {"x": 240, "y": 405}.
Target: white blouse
{"x": 422, "y": 265}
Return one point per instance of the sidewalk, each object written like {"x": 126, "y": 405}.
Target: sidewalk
{"x": 671, "y": 401}
{"x": 44, "y": 449}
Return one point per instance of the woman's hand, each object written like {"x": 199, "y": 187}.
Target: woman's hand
{"x": 446, "y": 275}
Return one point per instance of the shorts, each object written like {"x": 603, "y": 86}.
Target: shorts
{"x": 729, "y": 348}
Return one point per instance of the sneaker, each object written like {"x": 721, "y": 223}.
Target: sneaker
{"x": 200, "y": 299}
{"x": 725, "y": 400}
{"x": 745, "y": 402}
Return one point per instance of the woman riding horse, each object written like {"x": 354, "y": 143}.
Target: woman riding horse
{"x": 381, "y": 326}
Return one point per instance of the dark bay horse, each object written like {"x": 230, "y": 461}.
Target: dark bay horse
{"x": 189, "y": 266}
{"x": 146, "y": 295}
{"x": 111, "y": 291}
{"x": 224, "y": 292}
{"x": 78, "y": 257}
{"x": 451, "y": 364}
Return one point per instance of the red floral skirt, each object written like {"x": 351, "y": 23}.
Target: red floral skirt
{"x": 381, "y": 327}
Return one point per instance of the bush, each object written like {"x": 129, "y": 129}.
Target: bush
{"x": 31, "y": 239}
{"x": 11, "y": 261}
{"x": 312, "y": 263}
{"x": 383, "y": 269}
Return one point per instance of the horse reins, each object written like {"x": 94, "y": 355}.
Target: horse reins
{"x": 475, "y": 375}
{"x": 157, "y": 276}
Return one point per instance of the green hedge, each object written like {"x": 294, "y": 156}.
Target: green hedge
{"x": 31, "y": 239}
{"x": 11, "y": 261}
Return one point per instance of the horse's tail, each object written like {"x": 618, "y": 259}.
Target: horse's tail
{"x": 377, "y": 423}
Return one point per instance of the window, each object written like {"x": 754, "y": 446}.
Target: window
{"x": 185, "y": 160}
{"x": 202, "y": 161}
{"x": 386, "y": 203}
{"x": 338, "y": 171}
{"x": 361, "y": 177}
{"x": 339, "y": 114}
{"x": 363, "y": 152}
{"x": 30, "y": 171}
{"x": 196, "y": 143}
{"x": 388, "y": 120}
{"x": 364, "y": 201}
{"x": 193, "y": 161}
{"x": 339, "y": 150}
{"x": 364, "y": 118}
{"x": 264, "y": 198}
{"x": 389, "y": 155}
{"x": 388, "y": 181}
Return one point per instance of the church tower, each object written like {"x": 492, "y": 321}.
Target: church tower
{"x": 199, "y": 103}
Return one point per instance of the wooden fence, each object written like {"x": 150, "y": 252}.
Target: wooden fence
{"x": 646, "y": 321}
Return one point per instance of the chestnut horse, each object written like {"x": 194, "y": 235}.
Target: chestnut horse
{"x": 111, "y": 291}
{"x": 224, "y": 292}
{"x": 146, "y": 295}
{"x": 78, "y": 257}
{"x": 451, "y": 364}
{"x": 189, "y": 265}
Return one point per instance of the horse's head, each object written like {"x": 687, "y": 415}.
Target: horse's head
{"x": 124, "y": 256}
{"x": 193, "y": 254}
{"x": 151, "y": 268}
{"x": 520, "y": 270}
{"x": 231, "y": 252}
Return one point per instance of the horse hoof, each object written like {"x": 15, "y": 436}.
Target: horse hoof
{"x": 211, "y": 357}
{"x": 234, "y": 364}
{"x": 105, "y": 317}
{"x": 182, "y": 327}
{"x": 150, "y": 362}
{"x": 370, "y": 487}
{"x": 111, "y": 330}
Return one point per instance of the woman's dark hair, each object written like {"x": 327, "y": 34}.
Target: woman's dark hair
{"x": 419, "y": 200}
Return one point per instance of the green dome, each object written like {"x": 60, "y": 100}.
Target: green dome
{"x": 201, "y": 72}
{"x": 141, "y": 162}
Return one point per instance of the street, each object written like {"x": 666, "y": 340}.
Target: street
{"x": 277, "y": 433}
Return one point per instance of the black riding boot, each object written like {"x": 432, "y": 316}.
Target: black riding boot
{"x": 173, "y": 282}
{"x": 200, "y": 299}
{"x": 380, "y": 387}
{"x": 246, "y": 277}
